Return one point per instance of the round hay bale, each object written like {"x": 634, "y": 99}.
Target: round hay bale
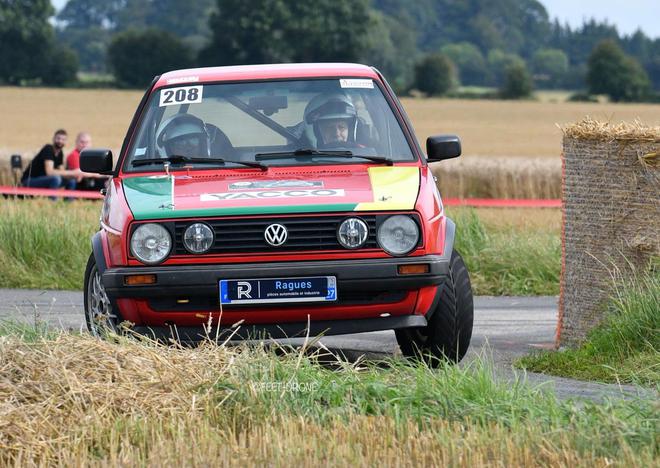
{"x": 611, "y": 216}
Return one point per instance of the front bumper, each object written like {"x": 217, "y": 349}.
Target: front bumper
{"x": 372, "y": 296}
{"x": 352, "y": 275}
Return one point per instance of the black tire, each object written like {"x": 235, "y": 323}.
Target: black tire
{"x": 449, "y": 330}
{"x": 99, "y": 322}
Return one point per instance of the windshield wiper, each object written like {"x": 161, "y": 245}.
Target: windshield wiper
{"x": 315, "y": 152}
{"x": 178, "y": 159}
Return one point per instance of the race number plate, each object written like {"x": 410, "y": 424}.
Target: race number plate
{"x": 274, "y": 290}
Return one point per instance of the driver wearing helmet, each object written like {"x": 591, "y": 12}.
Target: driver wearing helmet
{"x": 331, "y": 120}
{"x": 184, "y": 135}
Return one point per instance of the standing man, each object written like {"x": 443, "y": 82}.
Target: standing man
{"x": 84, "y": 140}
{"x": 46, "y": 170}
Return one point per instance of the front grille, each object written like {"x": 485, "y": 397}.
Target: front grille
{"x": 247, "y": 235}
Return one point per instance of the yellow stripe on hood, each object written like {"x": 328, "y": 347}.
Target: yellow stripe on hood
{"x": 394, "y": 188}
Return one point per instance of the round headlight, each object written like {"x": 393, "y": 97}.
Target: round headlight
{"x": 398, "y": 235}
{"x": 151, "y": 243}
{"x": 198, "y": 238}
{"x": 352, "y": 233}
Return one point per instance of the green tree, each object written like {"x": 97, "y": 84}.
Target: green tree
{"x": 517, "y": 82}
{"x": 137, "y": 56}
{"x": 435, "y": 75}
{"x": 471, "y": 63}
{"x": 266, "y": 31}
{"x": 392, "y": 49}
{"x": 550, "y": 67}
{"x": 60, "y": 66}
{"x": 27, "y": 45}
{"x": 614, "y": 73}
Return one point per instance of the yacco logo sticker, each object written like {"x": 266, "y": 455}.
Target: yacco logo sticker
{"x": 271, "y": 194}
{"x": 268, "y": 184}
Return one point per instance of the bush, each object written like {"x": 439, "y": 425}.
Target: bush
{"x": 582, "y": 97}
{"x": 137, "y": 56}
{"x": 517, "y": 82}
{"x": 435, "y": 75}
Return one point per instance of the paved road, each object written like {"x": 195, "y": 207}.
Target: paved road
{"x": 504, "y": 329}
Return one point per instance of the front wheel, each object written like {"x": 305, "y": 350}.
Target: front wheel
{"x": 447, "y": 335}
{"x": 99, "y": 314}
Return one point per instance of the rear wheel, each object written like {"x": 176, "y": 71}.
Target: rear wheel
{"x": 100, "y": 317}
{"x": 447, "y": 335}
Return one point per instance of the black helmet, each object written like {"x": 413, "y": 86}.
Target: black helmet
{"x": 183, "y": 135}
{"x": 325, "y": 109}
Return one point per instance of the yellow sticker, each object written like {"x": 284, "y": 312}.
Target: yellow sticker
{"x": 394, "y": 188}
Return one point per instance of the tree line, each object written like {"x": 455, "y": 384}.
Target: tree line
{"x": 431, "y": 45}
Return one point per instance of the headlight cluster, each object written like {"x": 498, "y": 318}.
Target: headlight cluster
{"x": 151, "y": 243}
{"x": 397, "y": 235}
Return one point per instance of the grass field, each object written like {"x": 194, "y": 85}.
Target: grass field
{"x": 513, "y": 252}
{"x": 625, "y": 348}
{"x": 71, "y": 400}
{"x": 489, "y": 129}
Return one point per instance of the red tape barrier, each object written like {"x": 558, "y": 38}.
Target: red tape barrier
{"x": 472, "y": 202}
{"x": 42, "y": 192}
{"x": 503, "y": 203}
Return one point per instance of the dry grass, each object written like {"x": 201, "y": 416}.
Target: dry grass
{"x": 495, "y": 134}
{"x": 499, "y": 177}
{"x": 73, "y": 400}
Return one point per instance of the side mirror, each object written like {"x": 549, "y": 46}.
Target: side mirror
{"x": 441, "y": 147}
{"x": 98, "y": 161}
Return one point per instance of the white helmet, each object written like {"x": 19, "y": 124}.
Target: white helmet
{"x": 183, "y": 135}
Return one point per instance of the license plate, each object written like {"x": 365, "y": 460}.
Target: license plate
{"x": 273, "y": 290}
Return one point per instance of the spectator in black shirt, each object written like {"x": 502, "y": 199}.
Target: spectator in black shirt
{"x": 46, "y": 170}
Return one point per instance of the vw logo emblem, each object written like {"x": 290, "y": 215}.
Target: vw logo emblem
{"x": 276, "y": 235}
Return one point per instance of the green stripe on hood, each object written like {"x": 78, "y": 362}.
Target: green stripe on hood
{"x": 151, "y": 198}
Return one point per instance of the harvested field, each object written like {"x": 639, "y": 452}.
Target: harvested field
{"x": 78, "y": 401}
{"x": 495, "y": 134}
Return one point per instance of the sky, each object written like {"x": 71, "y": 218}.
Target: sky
{"x": 627, "y": 15}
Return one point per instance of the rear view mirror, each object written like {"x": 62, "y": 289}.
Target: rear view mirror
{"x": 269, "y": 105}
{"x": 98, "y": 161}
{"x": 441, "y": 147}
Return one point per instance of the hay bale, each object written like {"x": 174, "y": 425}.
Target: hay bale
{"x": 611, "y": 229}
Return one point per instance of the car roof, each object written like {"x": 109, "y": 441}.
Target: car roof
{"x": 265, "y": 72}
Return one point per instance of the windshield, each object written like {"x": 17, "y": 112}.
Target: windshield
{"x": 329, "y": 121}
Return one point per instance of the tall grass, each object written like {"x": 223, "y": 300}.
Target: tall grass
{"x": 77, "y": 400}
{"x": 45, "y": 245}
{"x": 624, "y": 348}
{"x": 508, "y": 260}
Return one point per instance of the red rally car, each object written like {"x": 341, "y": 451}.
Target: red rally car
{"x": 290, "y": 198}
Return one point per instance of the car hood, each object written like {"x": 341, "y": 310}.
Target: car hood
{"x": 277, "y": 191}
